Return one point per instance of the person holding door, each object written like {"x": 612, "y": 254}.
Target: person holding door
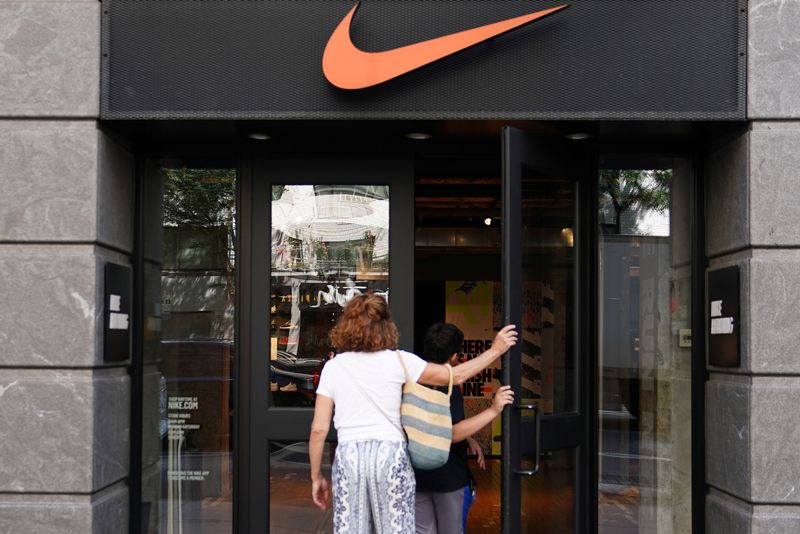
{"x": 441, "y": 492}
{"x": 373, "y": 482}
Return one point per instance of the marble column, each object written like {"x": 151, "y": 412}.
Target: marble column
{"x": 753, "y": 221}
{"x": 66, "y": 208}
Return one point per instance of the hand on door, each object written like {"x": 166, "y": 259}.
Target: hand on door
{"x": 502, "y": 398}
{"x": 505, "y": 339}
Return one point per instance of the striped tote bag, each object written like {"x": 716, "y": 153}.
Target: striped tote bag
{"x": 425, "y": 416}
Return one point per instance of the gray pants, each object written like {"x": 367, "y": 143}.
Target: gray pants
{"x": 373, "y": 488}
{"x": 440, "y": 513}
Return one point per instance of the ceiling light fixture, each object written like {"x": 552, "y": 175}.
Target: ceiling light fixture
{"x": 577, "y": 136}
{"x": 259, "y": 136}
{"x": 487, "y": 221}
{"x": 418, "y": 136}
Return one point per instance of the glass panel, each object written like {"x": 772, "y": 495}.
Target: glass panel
{"x": 548, "y": 264}
{"x": 484, "y": 514}
{"x": 548, "y": 499}
{"x": 329, "y": 243}
{"x": 645, "y": 346}
{"x": 291, "y": 509}
{"x": 548, "y": 272}
{"x": 187, "y": 473}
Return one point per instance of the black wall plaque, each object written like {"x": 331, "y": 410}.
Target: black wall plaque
{"x": 599, "y": 59}
{"x": 117, "y": 306}
{"x": 723, "y": 317}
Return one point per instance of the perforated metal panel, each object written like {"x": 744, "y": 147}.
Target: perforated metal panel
{"x": 599, "y": 59}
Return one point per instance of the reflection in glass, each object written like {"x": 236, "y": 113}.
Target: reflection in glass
{"x": 635, "y": 201}
{"x": 645, "y": 348}
{"x": 329, "y": 244}
{"x": 548, "y": 372}
{"x": 548, "y": 498}
{"x": 548, "y": 265}
{"x": 187, "y": 475}
{"x": 291, "y": 509}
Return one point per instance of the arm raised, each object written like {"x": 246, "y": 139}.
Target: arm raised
{"x": 437, "y": 375}
{"x": 467, "y": 427}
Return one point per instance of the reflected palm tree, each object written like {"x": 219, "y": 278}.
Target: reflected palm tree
{"x": 627, "y": 189}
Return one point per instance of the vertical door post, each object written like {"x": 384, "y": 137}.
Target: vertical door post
{"x": 512, "y": 314}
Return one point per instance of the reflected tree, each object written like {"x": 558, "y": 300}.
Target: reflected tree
{"x": 626, "y": 189}
{"x": 199, "y": 208}
{"x": 199, "y": 197}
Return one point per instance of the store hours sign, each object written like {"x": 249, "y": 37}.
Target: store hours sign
{"x": 117, "y": 313}
{"x": 723, "y": 317}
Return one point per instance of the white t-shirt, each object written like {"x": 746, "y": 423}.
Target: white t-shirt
{"x": 377, "y": 374}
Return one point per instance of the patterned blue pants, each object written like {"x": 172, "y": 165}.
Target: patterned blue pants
{"x": 373, "y": 488}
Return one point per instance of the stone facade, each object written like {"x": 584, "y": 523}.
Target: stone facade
{"x": 752, "y": 216}
{"x": 66, "y": 209}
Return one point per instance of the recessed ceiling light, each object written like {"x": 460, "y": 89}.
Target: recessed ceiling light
{"x": 418, "y": 135}
{"x": 259, "y": 136}
{"x": 487, "y": 221}
{"x": 577, "y": 136}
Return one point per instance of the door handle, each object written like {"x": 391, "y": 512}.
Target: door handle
{"x": 536, "y": 441}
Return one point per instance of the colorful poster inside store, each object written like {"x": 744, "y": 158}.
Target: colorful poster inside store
{"x": 469, "y": 305}
{"x": 538, "y": 322}
{"x": 476, "y": 308}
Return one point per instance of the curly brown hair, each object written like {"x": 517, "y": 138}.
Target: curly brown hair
{"x": 366, "y": 325}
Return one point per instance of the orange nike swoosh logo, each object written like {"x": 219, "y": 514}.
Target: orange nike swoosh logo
{"x": 348, "y": 67}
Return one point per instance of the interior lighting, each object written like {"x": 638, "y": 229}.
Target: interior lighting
{"x": 259, "y": 136}
{"x": 418, "y": 136}
{"x": 577, "y": 136}
{"x": 487, "y": 221}
{"x": 569, "y": 236}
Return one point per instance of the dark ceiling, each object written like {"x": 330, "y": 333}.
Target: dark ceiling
{"x": 461, "y": 137}
{"x": 457, "y": 170}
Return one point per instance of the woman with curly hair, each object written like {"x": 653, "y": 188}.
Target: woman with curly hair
{"x": 373, "y": 481}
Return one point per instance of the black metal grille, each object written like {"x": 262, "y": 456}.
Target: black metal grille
{"x": 600, "y": 59}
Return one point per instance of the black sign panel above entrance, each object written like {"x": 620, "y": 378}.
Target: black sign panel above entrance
{"x": 611, "y": 59}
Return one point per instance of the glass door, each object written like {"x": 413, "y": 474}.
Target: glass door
{"x": 323, "y": 231}
{"x": 644, "y": 389}
{"x": 546, "y": 437}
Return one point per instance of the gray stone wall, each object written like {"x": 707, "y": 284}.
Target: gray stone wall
{"x": 753, "y": 220}
{"x": 66, "y": 208}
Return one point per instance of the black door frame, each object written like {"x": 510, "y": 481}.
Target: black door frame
{"x": 572, "y": 430}
{"x": 244, "y": 502}
{"x": 261, "y": 423}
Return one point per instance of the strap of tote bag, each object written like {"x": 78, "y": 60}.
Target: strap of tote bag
{"x": 380, "y": 409}
{"x": 408, "y": 379}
